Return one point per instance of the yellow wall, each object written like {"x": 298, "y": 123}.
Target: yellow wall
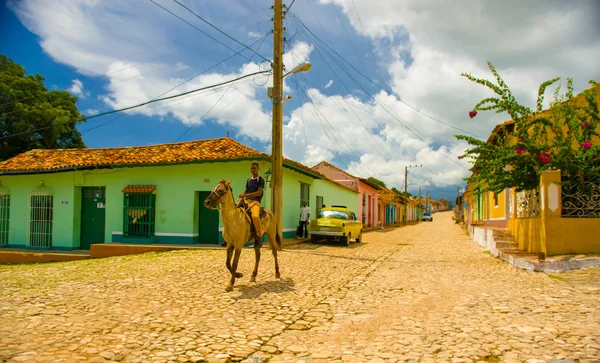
{"x": 550, "y": 233}
{"x": 496, "y": 212}
{"x": 528, "y": 233}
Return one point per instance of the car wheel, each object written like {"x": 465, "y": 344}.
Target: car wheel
{"x": 346, "y": 240}
{"x": 359, "y": 238}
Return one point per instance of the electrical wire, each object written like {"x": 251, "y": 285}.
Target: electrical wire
{"x": 220, "y": 98}
{"x": 157, "y": 100}
{"x": 383, "y": 106}
{"x": 184, "y": 82}
{"x": 219, "y": 30}
{"x": 380, "y": 87}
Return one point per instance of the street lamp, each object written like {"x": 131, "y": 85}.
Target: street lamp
{"x": 302, "y": 67}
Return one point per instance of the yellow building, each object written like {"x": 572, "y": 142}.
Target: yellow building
{"x": 549, "y": 220}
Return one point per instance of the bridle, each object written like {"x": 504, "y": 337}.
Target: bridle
{"x": 219, "y": 194}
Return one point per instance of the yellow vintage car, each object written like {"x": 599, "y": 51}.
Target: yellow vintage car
{"x": 336, "y": 222}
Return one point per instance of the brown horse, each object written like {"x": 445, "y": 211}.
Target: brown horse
{"x": 237, "y": 232}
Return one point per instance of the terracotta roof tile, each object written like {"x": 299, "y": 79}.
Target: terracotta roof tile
{"x": 193, "y": 151}
{"x": 139, "y": 189}
{"x": 220, "y": 149}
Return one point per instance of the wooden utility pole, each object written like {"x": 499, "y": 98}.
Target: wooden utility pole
{"x": 276, "y": 94}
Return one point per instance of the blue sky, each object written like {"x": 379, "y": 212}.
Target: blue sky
{"x": 115, "y": 54}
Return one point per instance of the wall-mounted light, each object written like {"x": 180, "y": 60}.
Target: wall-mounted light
{"x": 268, "y": 176}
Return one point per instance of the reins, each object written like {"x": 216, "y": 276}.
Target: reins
{"x": 219, "y": 204}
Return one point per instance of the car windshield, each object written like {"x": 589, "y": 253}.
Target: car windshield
{"x": 426, "y": 214}
{"x": 333, "y": 214}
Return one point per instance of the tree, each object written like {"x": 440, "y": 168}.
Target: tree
{"x": 31, "y": 117}
{"x": 396, "y": 191}
{"x": 519, "y": 151}
{"x": 376, "y": 181}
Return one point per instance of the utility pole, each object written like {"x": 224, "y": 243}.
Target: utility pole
{"x": 276, "y": 98}
{"x": 406, "y": 182}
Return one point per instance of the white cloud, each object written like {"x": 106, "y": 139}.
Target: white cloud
{"x": 422, "y": 46}
{"x": 77, "y": 89}
{"x": 91, "y": 112}
{"x": 254, "y": 35}
{"x": 525, "y": 41}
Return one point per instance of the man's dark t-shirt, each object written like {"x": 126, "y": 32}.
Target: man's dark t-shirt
{"x": 252, "y": 186}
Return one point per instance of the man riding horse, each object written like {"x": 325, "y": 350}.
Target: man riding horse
{"x": 253, "y": 195}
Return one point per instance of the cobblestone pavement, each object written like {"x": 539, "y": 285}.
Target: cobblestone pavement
{"x": 423, "y": 293}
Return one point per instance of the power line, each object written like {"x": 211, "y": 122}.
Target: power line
{"x": 182, "y": 83}
{"x": 382, "y": 88}
{"x": 219, "y": 100}
{"x": 289, "y": 7}
{"x": 219, "y": 30}
{"x": 157, "y": 100}
{"x": 383, "y": 106}
{"x": 202, "y": 31}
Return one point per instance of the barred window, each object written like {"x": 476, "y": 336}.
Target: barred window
{"x": 4, "y": 215}
{"x": 41, "y": 217}
{"x": 139, "y": 205}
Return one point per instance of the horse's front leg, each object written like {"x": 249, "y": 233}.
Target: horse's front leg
{"x": 256, "y": 262}
{"x": 236, "y": 259}
{"x": 229, "y": 255}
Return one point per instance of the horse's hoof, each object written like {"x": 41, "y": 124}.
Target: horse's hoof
{"x": 277, "y": 275}
{"x": 253, "y": 279}
{"x": 229, "y": 288}
{"x": 238, "y": 275}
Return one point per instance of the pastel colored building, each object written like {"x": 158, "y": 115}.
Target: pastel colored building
{"x": 369, "y": 210}
{"x": 70, "y": 199}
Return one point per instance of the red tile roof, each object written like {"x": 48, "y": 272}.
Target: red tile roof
{"x": 184, "y": 152}
{"x": 221, "y": 149}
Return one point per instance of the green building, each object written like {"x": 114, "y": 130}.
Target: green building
{"x": 70, "y": 199}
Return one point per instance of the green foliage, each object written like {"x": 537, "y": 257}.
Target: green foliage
{"x": 26, "y": 105}
{"x": 559, "y": 138}
{"x": 376, "y": 181}
{"x": 396, "y": 191}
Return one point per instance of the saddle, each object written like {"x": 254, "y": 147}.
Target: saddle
{"x": 242, "y": 204}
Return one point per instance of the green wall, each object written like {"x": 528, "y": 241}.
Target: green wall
{"x": 333, "y": 194}
{"x": 176, "y": 198}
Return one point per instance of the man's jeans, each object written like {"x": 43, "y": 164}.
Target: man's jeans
{"x": 304, "y": 227}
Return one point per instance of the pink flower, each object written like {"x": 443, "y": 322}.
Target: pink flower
{"x": 587, "y": 145}
{"x": 544, "y": 158}
{"x": 535, "y": 170}
{"x": 472, "y": 114}
{"x": 586, "y": 124}
{"x": 520, "y": 150}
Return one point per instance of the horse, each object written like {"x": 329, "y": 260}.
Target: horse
{"x": 237, "y": 230}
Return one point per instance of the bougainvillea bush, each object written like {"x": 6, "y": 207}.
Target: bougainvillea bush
{"x": 564, "y": 137}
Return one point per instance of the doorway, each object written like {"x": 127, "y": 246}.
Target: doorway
{"x": 93, "y": 216}
{"x": 208, "y": 222}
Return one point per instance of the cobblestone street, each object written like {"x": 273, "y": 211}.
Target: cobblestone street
{"x": 422, "y": 293}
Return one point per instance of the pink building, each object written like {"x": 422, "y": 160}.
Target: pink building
{"x": 368, "y": 209}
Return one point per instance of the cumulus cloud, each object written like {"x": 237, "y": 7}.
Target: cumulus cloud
{"x": 425, "y": 46}
{"x": 91, "y": 112}
{"x": 77, "y": 89}
{"x": 422, "y": 47}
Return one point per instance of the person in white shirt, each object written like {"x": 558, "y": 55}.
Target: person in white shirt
{"x": 304, "y": 219}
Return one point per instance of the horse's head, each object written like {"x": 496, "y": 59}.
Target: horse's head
{"x": 218, "y": 192}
